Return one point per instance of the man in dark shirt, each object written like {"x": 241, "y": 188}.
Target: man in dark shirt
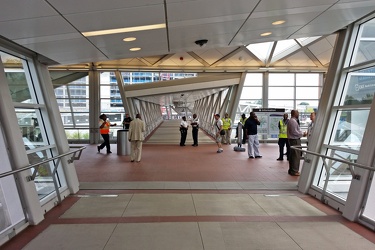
{"x": 126, "y": 121}
{"x": 251, "y": 128}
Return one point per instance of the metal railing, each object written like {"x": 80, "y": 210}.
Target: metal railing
{"x": 327, "y": 166}
{"x": 76, "y": 156}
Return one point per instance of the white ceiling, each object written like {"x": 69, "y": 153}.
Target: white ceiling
{"x": 53, "y": 28}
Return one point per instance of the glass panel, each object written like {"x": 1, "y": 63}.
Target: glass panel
{"x": 77, "y": 134}
{"x": 283, "y": 45}
{"x": 107, "y": 107}
{"x": 369, "y": 210}
{"x": 251, "y": 93}
{"x": 360, "y": 87}
{"x": 307, "y": 79}
{"x": 349, "y": 128}
{"x": 287, "y": 104}
{"x": 43, "y": 177}
{"x": 308, "y": 106}
{"x": 340, "y": 176}
{"x": 261, "y": 50}
{"x": 366, "y": 43}
{"x": 28, "y": 121}
{"x": 281, "y": 80}
{"x": 245, "y": 106}
{"x": 253, "y": 79}
{"x": 307, "y": 92}
{"x": 281, "y": 92}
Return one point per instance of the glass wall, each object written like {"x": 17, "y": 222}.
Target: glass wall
{"x": 349, "y": 116}
{"x": 33, "y": 123}
{"x": 287, "y": 91}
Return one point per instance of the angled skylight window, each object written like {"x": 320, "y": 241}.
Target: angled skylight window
{"x": 261, "y": 50}
{"x": 284, "y": 45}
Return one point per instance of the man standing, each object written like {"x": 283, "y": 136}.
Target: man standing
{"x": 243, "y": 121}
{"x": 136, "y": 129}
{"x": 195, "y": 125}
{"x": 251, "y": 127}
{"x": 283, "y": 138}
{"x": 227, "y": 127}
{"x": 126, "y": 121}
{"x": 294, "y": 136}
{"x": 183, "y": 130}
{"x": 218, "y": 127}
{"x": 104, "y": 125}
{"x": 311, "y": 126}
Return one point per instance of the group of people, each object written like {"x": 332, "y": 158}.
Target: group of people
{"x": 184, "y": 126}
{"x": 136, "y": 129}
{"x": 290, "y": 134}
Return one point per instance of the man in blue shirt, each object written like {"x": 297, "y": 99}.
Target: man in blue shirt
{"x": 251, "y": 128}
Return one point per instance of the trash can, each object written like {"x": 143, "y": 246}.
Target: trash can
{"x": 123, "y": 144}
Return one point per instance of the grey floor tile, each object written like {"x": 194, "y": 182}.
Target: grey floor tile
{"x": 244, "y": 236}
{"x": 202, "y": 185}
{"x": 95, "y": 206}
{"x": 285, "y": 205}
{"x": 252, "y": 185}
{"x": 325, "y": 235}
{"x": 160, "y": 205}
{"x": 67, "y": 237}
{"x": 226, "y": 204}
{"x": 156, "y": 236}
{"x": 227, "y": 185}
{"x": 176, "y": 185}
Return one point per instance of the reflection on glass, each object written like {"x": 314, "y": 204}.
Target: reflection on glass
{"x": 349, "y": 128}
{"x": 360, "y": 87}
{"x": 43, "y": 175}
{"x": 340, "y": 176}
{"x": 28, "y": 121}
{"x": 366, "y": 43}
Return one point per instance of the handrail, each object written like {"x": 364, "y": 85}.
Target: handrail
{"x": 327, "y": 167}
{"x": 298, "y": 148}
{"x": 36, "y": 166}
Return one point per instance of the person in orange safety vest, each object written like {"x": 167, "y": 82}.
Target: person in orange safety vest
{"x": 104, "y": 131}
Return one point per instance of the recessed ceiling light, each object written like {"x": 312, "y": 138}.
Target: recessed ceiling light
{"x": 278, "y": 22}
{"x": 135, "y": 49}
{"x": 129, "y": 39}
{"x": 266, "y": 34}
{"x": 124, "y": 30}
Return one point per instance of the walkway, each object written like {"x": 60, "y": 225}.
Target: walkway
{"x": 190, "y": 198}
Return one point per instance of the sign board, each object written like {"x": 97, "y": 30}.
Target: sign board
{"x": 269, "y": 119}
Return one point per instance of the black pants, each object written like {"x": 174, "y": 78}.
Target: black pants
{"x": 195, "y": 135}
{"x": 106, "y": 142}
{"x": 183, "y": 136}
{"x": 282, "y": 142}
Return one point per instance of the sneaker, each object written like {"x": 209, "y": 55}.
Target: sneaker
{"x": 109, "y": 152}
{"x": 98, "y": 149}
{"x": 258, "y": 156}
{"x": 251, "y": 157}
{"x": 279, "y": 159}
{"x": 219, "y": 151}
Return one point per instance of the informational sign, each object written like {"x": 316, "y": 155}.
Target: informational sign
{"x": 269, "y": 119}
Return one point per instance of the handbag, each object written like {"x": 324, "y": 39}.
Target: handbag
{"x": 222, "y": 132}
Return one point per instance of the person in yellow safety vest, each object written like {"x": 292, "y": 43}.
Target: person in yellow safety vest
{"x": 283, "y": 138}
{"x": 104, "y": 131}
{"x": 227, "y": 127}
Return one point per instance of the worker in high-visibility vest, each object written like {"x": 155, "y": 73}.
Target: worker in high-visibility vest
{"x": 104, "y": 125}
{"x": 283, "y": 138}
{"x": 227, "y": 127}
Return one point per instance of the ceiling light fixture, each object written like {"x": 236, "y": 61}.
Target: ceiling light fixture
{"x": 266, "y": 34}
{"x": 134, "y": 49}
{"x": 278, "y": 22}
{"x": 124, "y": 30}
{"x": 129, "y": 39}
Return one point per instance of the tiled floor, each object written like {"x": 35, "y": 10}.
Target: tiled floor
{"x": 190, "y": 198}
